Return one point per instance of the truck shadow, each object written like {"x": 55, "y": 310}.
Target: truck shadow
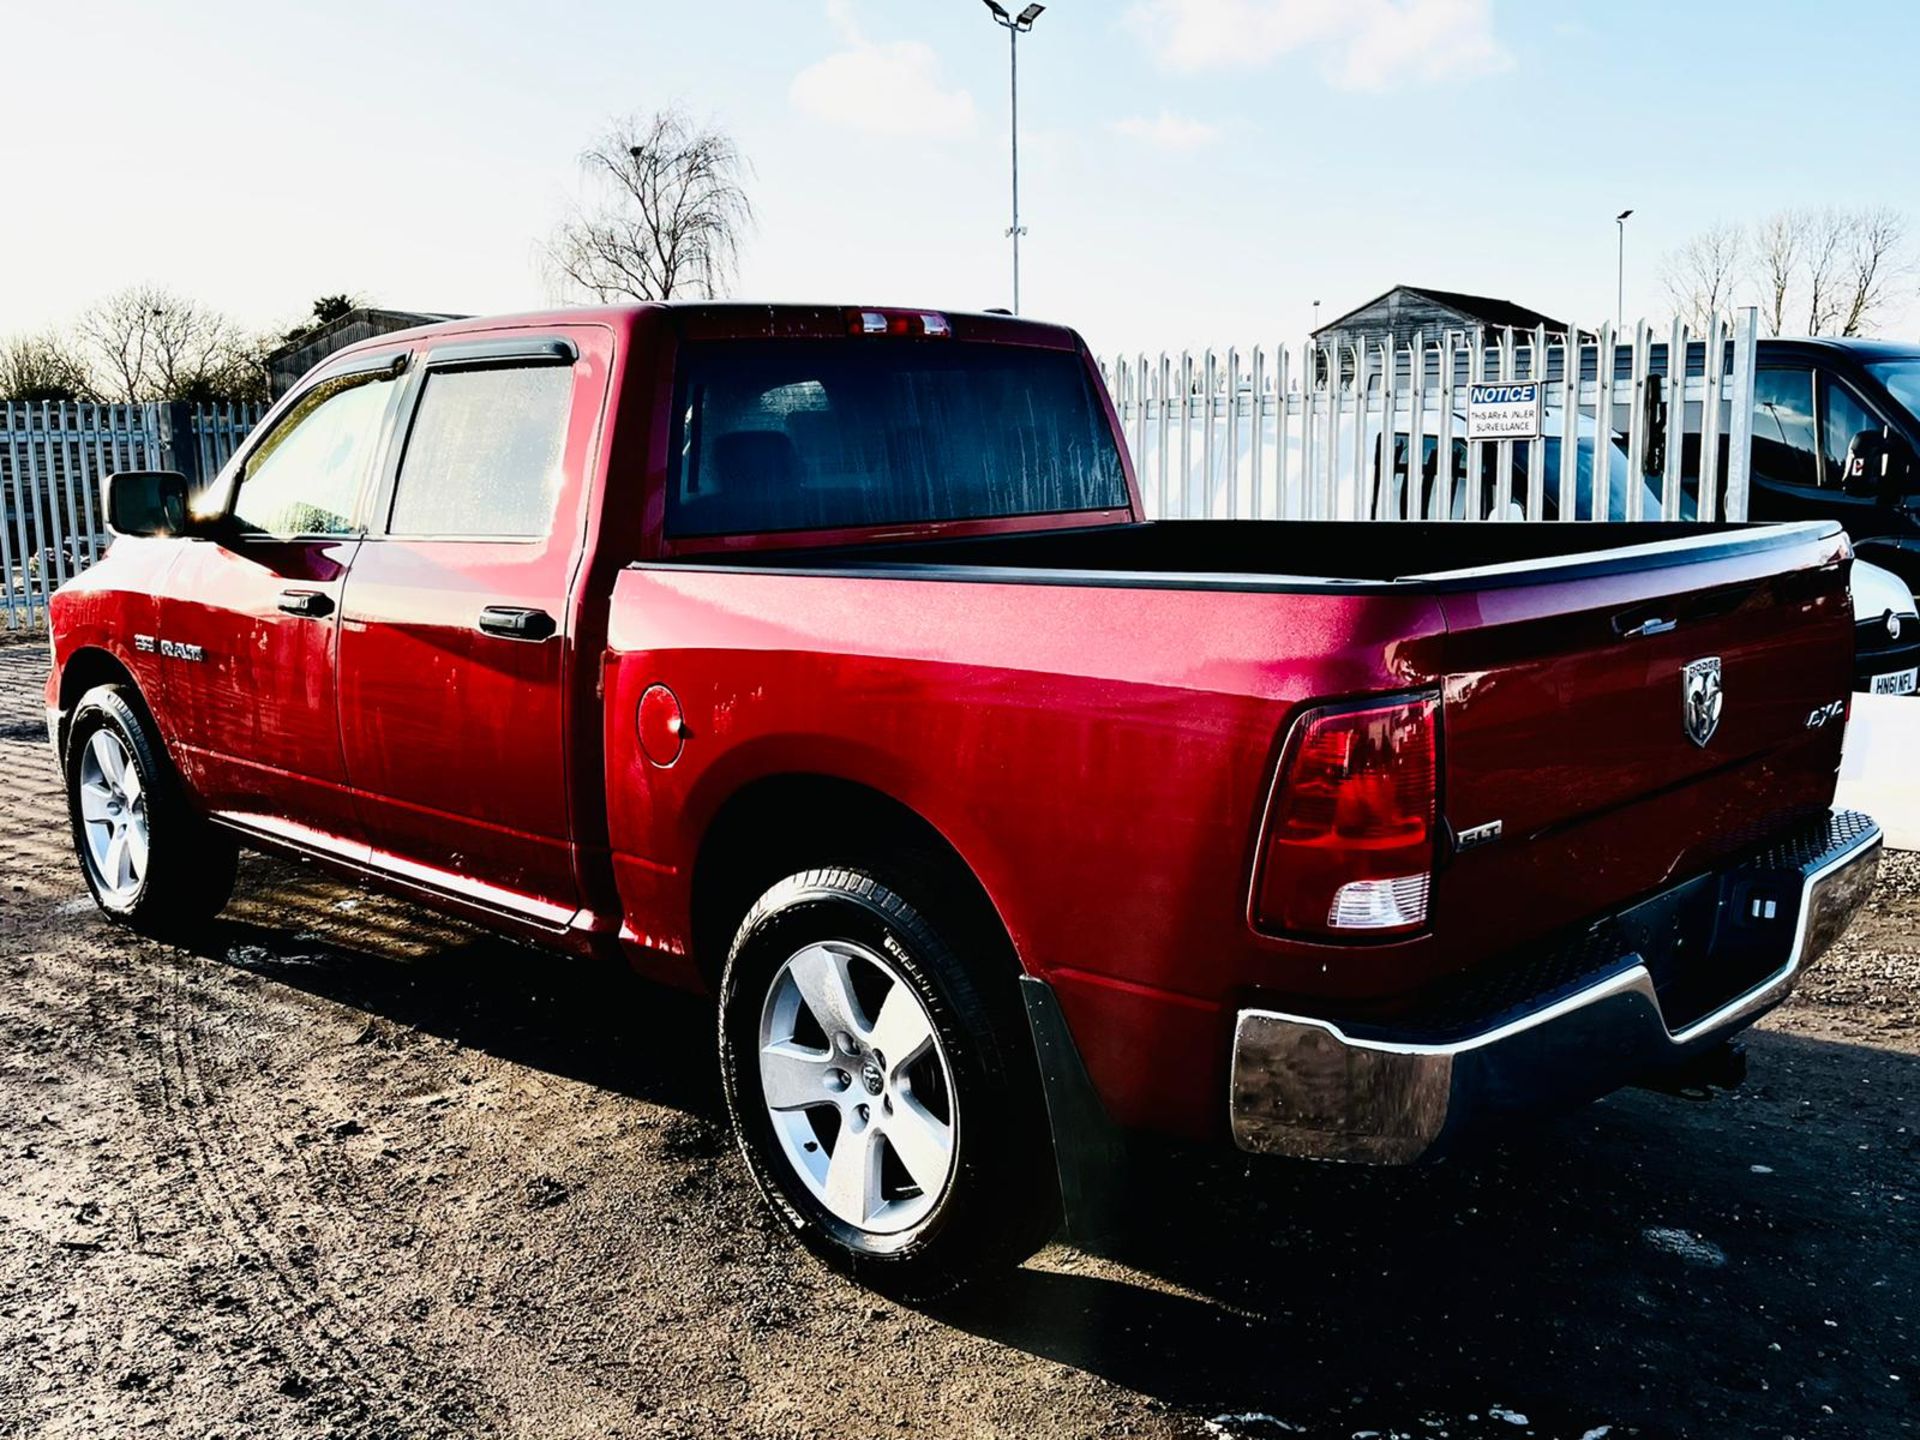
{"x": 1676, "y": 1266}
{"x": 595, "y": 1023}
{"x": 1680, "y": 1266}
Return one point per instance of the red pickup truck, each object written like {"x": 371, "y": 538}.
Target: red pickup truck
{"x": 821, "y": 658}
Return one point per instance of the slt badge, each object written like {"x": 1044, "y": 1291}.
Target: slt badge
{"x": 1701, "y": 699}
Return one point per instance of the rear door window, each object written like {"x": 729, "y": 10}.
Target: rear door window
{"x": 483, "y": 455}
{"x": 1784, "y": 450}
{"x": 822, "y": 434}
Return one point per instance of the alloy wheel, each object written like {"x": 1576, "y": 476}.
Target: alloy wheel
{"x": 857, "y": 1086}
{"x": 113, "y": 815}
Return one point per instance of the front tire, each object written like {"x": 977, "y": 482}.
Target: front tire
{"x": 149, "y": 859}
{"x": 887, "y": 1108}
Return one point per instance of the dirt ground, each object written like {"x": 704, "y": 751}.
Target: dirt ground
{"x": 346, "y": 1169}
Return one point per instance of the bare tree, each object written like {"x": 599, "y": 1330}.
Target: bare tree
{"x": 1779, "y": 243}
{"x": 1827, "y": 244}
{"x": 1701, "y": 274}
{"x": 42, "y": 367}
{"x": 1877, "y": 258}
{"x": 146, "y": 343}
{"x": 670, "y": 213}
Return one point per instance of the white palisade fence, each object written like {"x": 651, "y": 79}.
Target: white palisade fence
{"x": 1371, "y": 429}
{"x": 53, "y": 460}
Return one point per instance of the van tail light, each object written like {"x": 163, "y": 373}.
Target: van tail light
{"x": 1349, "y": 844}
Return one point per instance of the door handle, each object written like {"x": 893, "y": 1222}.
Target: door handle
{"x": 513, "y": 622}
{"x": 311, "y": 603}
{"x": 1652, "y": 625}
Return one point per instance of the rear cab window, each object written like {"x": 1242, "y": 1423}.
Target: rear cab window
{"x": 823, "y": 434}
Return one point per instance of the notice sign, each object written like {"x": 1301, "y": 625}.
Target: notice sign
{"x": 1504, "y": 412}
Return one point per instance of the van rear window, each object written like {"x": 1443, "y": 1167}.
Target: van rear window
{"x": 826, "y": 434}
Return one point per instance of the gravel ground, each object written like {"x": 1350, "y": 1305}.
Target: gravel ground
{"x": 347, "y": 1169}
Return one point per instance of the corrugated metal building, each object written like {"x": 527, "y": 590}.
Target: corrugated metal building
{"x": 1407, "y": 310}
{"x": 287, "y": 364}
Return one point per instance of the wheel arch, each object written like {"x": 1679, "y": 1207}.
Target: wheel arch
{"x": 777, "y": 824}
{"x": 85, "y": 668}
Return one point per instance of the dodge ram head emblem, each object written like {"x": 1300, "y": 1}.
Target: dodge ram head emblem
{"x": 1700, "y": 698}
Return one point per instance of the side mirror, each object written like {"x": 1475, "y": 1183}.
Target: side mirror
{"x": 1878, "y": 462}
{"x": 147, "y": 502}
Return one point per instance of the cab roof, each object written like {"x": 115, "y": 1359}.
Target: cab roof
{"x": 731, "y": 319}
{"x": 1857, "y": 347}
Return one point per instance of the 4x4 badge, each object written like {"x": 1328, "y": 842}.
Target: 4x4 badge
{"x": 1701, "y": 699}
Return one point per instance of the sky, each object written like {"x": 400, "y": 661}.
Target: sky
{"x": 1193, "y": 172}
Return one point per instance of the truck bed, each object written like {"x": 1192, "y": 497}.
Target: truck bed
{"x": 1288, "y": 556}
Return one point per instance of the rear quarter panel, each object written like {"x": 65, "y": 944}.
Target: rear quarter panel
{"x": 1099, "y": 756}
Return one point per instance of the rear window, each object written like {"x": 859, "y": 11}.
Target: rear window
{"x": 805, "y": 435}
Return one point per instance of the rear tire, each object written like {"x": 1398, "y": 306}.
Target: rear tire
{"x": 150, "y": 859}
{"x": 950, "y": 1173}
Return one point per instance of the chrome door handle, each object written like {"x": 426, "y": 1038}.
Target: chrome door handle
{"x": 513, "y": 622}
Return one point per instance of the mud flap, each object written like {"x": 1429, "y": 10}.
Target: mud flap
{"x": 1089, "y": 1152}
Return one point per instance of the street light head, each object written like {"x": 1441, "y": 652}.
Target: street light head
{"x": 1030, "y": 14}
{"x": 1623, "y": 215}
{"x": 999, "y": 12}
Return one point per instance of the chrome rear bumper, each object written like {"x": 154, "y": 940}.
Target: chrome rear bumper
{"x": 1310, "y": 1088}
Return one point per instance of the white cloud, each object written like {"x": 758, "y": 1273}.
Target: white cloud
{"x": 887, "y": 88}
{"x": 1167, "y": 131}
{"x": 1363, "y": 44}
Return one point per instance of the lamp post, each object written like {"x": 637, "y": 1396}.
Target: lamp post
{"x": 1620, "y": 275}
{"x": 1015, "y": 26}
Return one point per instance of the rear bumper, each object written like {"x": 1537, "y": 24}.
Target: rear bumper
{"x": 1874, "y": 655}
{"x": 1313, "y": 1088}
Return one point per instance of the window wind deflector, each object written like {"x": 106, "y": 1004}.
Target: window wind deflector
{"x": 387, "y": 361}
{"x": 508, "y": 350}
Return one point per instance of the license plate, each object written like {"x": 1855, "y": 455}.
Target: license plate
{"x": 1900, "y": 682}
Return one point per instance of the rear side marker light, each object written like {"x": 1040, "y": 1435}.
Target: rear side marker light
{"x": 1349, "y": 843}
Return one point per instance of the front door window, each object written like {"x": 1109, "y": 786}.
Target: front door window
{"x": 1843, "y": 415}
{"x": 305, "y": 477}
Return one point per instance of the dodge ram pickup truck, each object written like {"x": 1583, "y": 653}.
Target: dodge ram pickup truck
{"x": 822, "y": 659}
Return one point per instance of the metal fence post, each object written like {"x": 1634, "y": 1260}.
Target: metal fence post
{"x": 10, "y": 514}
{"x": 1740, "y": 423}
{"x": 179, "y": 446}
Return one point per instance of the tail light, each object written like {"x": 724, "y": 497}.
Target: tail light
{"x": 1349, "y": 843}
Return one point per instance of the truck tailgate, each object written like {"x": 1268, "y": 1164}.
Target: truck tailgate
{"x": 1581, "y": 770}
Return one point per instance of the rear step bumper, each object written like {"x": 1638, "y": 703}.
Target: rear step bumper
{"x": 1317, "y": 1089}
